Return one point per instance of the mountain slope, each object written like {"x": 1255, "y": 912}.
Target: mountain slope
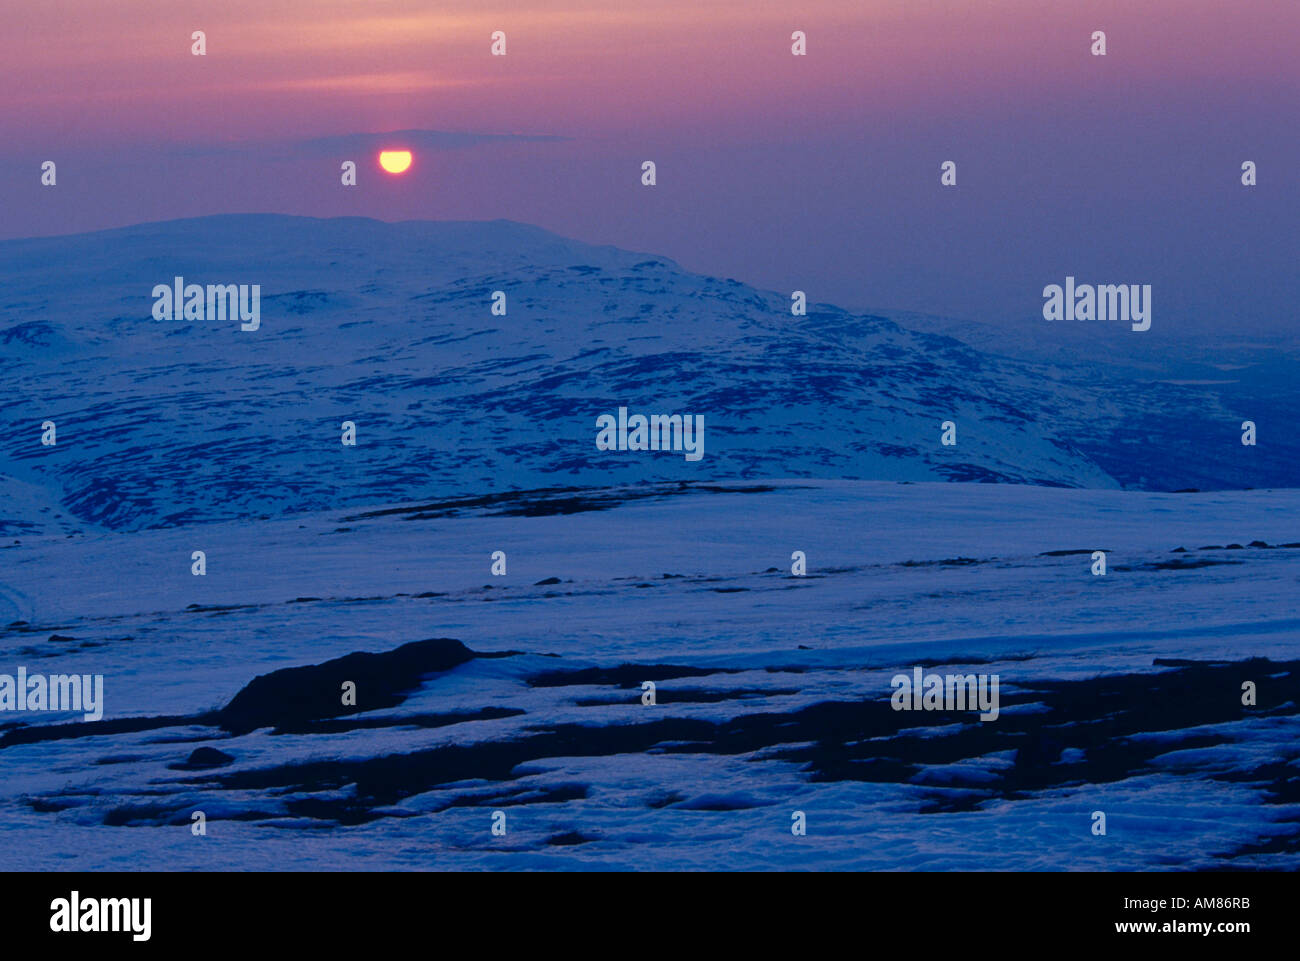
{"x": 389, "y": 326}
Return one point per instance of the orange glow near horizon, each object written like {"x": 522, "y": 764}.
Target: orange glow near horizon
{"x": 395, "y": 161}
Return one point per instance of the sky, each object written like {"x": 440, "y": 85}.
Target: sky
{"x": 819, "y": 173}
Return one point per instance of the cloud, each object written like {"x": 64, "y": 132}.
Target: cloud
{"x": 427, "y": 139}
{"x": 357, "y": 143}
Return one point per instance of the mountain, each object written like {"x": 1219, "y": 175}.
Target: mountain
{"x": 389, "y": 325}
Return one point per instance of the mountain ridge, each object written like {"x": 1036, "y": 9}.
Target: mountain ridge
{"x": 389, "y": 325}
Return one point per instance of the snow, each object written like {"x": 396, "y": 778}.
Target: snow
{"x": 1027, "y": 617}
{"x": 477, "y": 434}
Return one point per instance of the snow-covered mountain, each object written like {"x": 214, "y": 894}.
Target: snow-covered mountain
{"x": 164, "y": 422}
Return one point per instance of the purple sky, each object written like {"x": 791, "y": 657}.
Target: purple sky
{"x": 819, "y": 173}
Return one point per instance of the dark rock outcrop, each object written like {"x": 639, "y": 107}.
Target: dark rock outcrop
{"x": 295, "y": 695}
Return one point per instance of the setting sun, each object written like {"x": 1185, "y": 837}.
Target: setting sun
{"x": 395, "y": 161}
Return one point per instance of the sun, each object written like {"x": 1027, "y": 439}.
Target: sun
{"x": 395, "y": 161}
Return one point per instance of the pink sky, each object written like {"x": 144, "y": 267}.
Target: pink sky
{"x": 82, "y": 71}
